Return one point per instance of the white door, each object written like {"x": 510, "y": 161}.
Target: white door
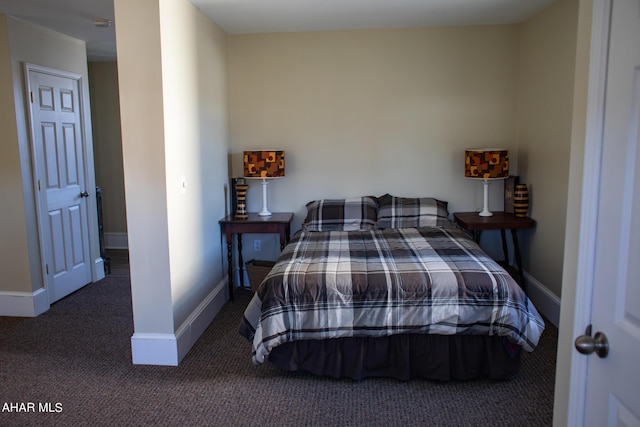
{"x": 612, "y": 396}
{"x": 58, "y": 149}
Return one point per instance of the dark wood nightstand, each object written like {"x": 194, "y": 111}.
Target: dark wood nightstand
{"x": 502, "y": 221}
{"x": 277, "y": 223}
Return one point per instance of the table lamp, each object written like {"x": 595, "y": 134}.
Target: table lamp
{"x": 486, "y": 164}
{"x": 264, "y": 164}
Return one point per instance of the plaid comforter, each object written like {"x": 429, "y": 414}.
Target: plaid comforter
{"x": 386, "y": 281}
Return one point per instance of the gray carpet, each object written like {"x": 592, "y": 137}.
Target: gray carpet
{"x": 76, "y": 358}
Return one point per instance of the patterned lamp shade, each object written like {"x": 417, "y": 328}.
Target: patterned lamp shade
{"x": 486, "y": 163}
{"x": 264, "y": 164}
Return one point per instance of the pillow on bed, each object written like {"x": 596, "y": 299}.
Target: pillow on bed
{"x": 405, "y": 212}
{"x": 358, "y": 213}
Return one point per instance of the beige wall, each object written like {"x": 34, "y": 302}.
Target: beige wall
{"x": 173, "y": 100}
{"x": 14, "y": 252}
{"x": 22, "y": 42}
{"x": 141, "y": 106}
{"x": 399, "y": 107}
{"x": 194, "y": 73}
{"x": 547, "y": 67}
{"x": 107, "y": 143}
{"x": 370, "y": 112}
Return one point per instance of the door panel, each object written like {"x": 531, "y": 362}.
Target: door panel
{"x": 77, "y": 238}
{"x": 48, "y": 131}
{"x": 71, "y": 151}
{"x": 57, "y": 240}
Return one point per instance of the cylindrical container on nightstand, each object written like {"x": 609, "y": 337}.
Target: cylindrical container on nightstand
{"x": 520, "y": 200}
{"x": 241, "y": 201}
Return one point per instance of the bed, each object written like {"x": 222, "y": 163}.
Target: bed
{"x": 389, "y": 287}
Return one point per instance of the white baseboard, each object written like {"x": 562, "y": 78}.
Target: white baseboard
{"x": 98, "y": 269}
{"x": 154, "y": 349}
{"x": 170, "y": 349}
{"x": 546, "y": 302}
{"x": 24, "y": 304}
{"x": 116, "y": 241}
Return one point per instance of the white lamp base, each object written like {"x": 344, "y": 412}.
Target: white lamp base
{"x": 485, "y": 210}
{"x": 264, "y": 211}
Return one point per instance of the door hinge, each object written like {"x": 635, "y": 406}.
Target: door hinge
{"x": 31, "y": 93}
{"x": 39, "y": 185}
{"x": 46, "y": 267}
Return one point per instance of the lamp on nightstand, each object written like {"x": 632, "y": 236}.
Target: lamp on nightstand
{"x": 486, "y": 164}
{"x": 264, "y": 164}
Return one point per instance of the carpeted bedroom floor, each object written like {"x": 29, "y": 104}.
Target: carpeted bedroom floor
{"x": 72, "y": 365}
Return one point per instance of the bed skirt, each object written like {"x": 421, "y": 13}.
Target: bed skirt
{"x": 435, "y": 357}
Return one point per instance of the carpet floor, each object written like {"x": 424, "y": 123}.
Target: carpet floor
{"x": 71, "y": 366}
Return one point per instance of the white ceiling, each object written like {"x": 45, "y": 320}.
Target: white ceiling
{"x": 75, "y": 17}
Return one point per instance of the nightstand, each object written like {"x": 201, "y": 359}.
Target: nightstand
{"x": 502, "y": 221}
{"x": 276, "y": 223}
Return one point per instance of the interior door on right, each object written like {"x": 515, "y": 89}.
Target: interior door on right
{"x": 613, "y": 382}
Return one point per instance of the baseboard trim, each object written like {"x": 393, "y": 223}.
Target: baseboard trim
{"x": 116, "y": 241}
{"x": 170, "y": 349}
{"x": 195, "y": 325}
{"x": 154, "y": 349}
{"x": 24, "y": 304}
{"x": 98, "y": 269}
{"x": 546, "y": 302}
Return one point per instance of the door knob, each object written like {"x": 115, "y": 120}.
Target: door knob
{"x": 586, "y": 344}
{"x": 84, "y": 194}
